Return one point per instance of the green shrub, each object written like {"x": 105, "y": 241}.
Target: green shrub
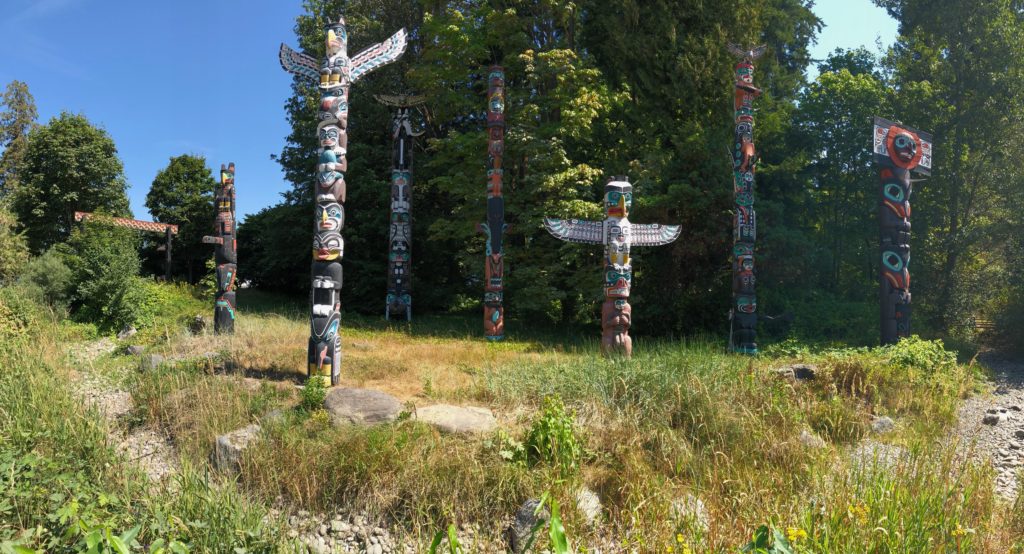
{"x": 13, "y": 248}
{"x": 928, "y": 356}
{"x": 17, "y": 313}
{"x": 46, "y": 279}
{"x": 105, "y": 264}
{"x": 554, "y": 438}
{"x": 313, "y": 395}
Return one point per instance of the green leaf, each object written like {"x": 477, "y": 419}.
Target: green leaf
{"x": 559, "y": 542}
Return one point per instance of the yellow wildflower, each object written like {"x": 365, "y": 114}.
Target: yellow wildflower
{"x": 795, "y": 534}
{"x": 858, "y": 513}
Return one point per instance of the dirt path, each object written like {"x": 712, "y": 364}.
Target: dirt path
{"x": 990, "y": 427}
{"x": 148, "y": 448}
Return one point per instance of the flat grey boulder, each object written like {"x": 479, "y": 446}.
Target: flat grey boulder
{"x": 151, "y": 362}
{"x": 361, "y": 407}
{"x": 227, "y": 452}
{"x": 457, "y": 419}
{"x": 134, "y": 350}
{"x": 882, "y": 425}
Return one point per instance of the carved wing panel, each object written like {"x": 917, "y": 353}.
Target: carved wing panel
{"x": 377, "y": 55}
{"x": 299, "y": 64}
{"x": 654, "y": 234}
{"x": 576, "y": 230}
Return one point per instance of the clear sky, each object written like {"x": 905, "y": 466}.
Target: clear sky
{"x": 202, "y": 77}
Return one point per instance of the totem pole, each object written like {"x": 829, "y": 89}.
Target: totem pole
{"x": 898, "y": 151}
{"x": 617, "y": 234}
{"x": 225, "y": 251}
{"x": 494, "y": 228}
{"x": 399, "y": 299}
{"x": 335, "y": 76}
{"x": 743, "y": 313}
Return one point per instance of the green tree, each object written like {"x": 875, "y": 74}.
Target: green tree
{"x": 182, "y": 195}
{"x": 17, "y": 119}
{"x": 69, "y": 165}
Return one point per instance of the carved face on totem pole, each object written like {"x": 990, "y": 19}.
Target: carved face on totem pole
{"x": 330, "y": 217}
{"x": 328, "y": 246}
{"x": 618, "y": 199}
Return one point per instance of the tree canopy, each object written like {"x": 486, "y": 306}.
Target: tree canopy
{"x": 182, "y": 194}
{"x": 69, "y": 165}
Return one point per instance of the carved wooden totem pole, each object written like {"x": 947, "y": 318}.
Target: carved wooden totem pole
{"x": 225, "y": 251}
{"x": 494, "y": 228}
{"x": 617, "y": 235}
{"x": 335, "y": 75}
{"x": 743, "y": 313}
{"x": 898, "y": 151}
{"x": 399, "y": 298}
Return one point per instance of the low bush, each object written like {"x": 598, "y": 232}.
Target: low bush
{"x": 47, "y": 279}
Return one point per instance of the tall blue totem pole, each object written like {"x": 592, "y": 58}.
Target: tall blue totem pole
{"x": 898, "y": 150}
{"x": 743, "y": 314}
{"x": 399, "y": 298}
{"x": 335, "y": 75}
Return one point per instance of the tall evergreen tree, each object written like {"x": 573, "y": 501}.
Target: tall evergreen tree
{"x": 17, "y": 118}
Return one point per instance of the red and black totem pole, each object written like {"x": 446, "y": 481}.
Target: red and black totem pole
{"x": 743, "y": 314}
{"x": 494, "y": 228}
{"x": 225, "y": 251}
{"x": 898, "y": 151}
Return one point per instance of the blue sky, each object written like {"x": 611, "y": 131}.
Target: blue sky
{"x": 202, "y": 77}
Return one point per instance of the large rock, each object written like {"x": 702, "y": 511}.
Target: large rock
{"x": 227, "y": 453}
{"x": 361, "y": 407}
{"x": 796, "y": 372}
{"x": 134, "y": 349}
{"x": 457, "y": 419}
{"x": 518, "y": 534}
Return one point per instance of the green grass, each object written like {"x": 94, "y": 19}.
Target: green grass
{"x": 681, "y": 418}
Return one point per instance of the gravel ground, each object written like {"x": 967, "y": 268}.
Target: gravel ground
{"x": 991, "y": 426}
{"x": 147, "y": 447}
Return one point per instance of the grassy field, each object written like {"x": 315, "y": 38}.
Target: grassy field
{"x": 680, "y": 420}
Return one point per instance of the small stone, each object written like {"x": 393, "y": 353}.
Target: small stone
{"x": 292, "y": 533}
{"x": 588, "y": 503}
{"x": 197, "y": 325}
{"x": 811, "y": 440}
{"x": 458, "y": 419}
{"x": 1019, "y": 433}
{"x": 322, "y": 530}
{"x": 374, "y": 549}
{"x": 690, "y": 509}
{"x": 127, "y": 332}
{"x": 361, "y": 406}
{"x": 993, "y": 418}
{"x": 339, "y": 527}
{"x": 518, "y": 533}
{"x": 151, "y": 362}
{"x": 134, "y": 350}
{"x": 882, "y": 425}
{"x": 227, "y": 454}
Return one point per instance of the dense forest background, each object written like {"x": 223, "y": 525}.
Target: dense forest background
{"x": 626, "y": 87}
